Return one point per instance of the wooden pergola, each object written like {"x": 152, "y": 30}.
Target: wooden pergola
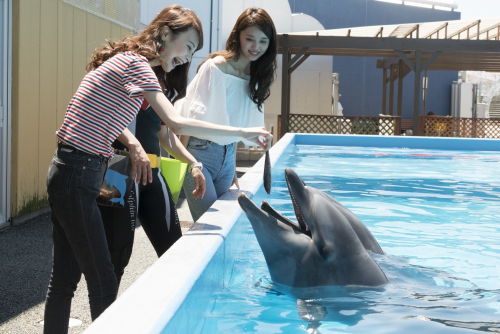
{"x": 460, "y": 45}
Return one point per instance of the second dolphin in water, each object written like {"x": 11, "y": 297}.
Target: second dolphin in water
{"x": 328, "y": 246}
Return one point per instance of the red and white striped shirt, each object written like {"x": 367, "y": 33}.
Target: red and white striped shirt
{"x": 107, "y": 100}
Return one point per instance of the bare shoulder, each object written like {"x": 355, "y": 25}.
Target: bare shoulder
{"x": 221, "y": 63}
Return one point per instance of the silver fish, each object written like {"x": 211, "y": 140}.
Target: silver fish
{"x": 267, "y": 174}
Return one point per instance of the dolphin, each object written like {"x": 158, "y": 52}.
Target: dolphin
{"x": 328, "y": 247}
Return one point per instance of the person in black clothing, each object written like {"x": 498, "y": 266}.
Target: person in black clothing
{"x": 151, "y": 203}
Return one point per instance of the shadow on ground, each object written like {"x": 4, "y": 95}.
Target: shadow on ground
{"x": 26, "y": 263}
{"x": 25, "y": 266}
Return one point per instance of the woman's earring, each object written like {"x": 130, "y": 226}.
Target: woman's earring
{"x": 162, "y": 46}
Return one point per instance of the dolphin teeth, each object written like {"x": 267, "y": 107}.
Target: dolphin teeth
{"x": 298, "y": 214}
{"x": 271, "y": 211}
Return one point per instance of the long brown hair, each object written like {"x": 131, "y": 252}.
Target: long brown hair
{"x": 263, "y": 70}
{"x": 148, "y": 43}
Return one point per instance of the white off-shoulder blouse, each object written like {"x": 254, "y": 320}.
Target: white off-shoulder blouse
{"x": 219, "y": 98}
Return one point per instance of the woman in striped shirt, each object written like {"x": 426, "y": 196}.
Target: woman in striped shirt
{"x": 147, "y": 66}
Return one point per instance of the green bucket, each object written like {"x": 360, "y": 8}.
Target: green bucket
{"x": 173, "y": 171}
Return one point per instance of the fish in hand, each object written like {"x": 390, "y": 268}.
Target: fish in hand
{"x": 267, "y": 174}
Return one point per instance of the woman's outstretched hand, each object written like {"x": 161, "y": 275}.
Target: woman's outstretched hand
{"x": 199, "y": 183}
{"x": 235, "y": 181}
{"x": 255, "y": 135}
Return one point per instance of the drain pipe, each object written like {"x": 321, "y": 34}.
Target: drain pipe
{"x": 474, "y": 100}
{"x": 211, "y": 24}
{"x": 213, "y": 15}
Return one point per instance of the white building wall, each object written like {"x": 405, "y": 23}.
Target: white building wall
{"x": 203, "y": 9}
{"x": 311, "y": 85}
{"x": 279, "y": 10}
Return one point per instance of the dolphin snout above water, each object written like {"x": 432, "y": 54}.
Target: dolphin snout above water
{"x": 327, "y": 247}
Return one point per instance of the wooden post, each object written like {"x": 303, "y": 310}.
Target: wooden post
{"x": 391, "y": 90}
{"x": 384, "y": 92}
{"x": 397, "y": 129}
{"x": 421, "y": 126}
{"x": 416, "y": 91}
{"x": 285, "y": 87}
{"x": 400, "y": 89}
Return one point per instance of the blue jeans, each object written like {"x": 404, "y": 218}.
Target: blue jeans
{"x": 218, "y": 169}
{"x": 73, "y": 183}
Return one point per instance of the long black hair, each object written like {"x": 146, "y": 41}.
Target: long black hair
{"x": 263, "y": 70}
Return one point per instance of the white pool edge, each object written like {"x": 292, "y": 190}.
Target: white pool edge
{"x": 151, "y": 301}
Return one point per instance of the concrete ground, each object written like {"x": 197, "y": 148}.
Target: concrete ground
{"x": 25, "y": 266}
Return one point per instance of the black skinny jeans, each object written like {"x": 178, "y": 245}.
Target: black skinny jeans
{"x": 73, "y": 183}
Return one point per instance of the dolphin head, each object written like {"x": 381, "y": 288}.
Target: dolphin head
{"x": 323, "y": 249}
{"x": 297, "y": 188}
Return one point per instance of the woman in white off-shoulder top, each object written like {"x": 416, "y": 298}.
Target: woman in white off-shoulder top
{"x": 229, "y": 89}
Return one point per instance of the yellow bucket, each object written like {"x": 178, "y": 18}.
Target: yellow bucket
{"x": 173, "y": 171}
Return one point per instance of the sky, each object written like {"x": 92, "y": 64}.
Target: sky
{"x": 476, "y": 9}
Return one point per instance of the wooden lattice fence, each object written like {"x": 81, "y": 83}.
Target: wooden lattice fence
{"x": 366, "y": 125}
{"x": 432, "y": 126}
{"x": 444, "y": 126}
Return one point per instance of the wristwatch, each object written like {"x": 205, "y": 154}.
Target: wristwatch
{"x": 195, "y": 165}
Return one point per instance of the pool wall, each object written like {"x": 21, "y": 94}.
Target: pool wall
{"x": 434, "y": 143}
{"x": 199, "y": 265}
{"x": 151, "y": 302}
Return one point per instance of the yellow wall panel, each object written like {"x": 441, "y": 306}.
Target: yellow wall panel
{"x": 104, "y": 30}
{"x": 65, "y": 89}
{"x": 79, "y": 46}
{"x": 48, "y": 94}
{"x": 116, "y": 32}
{"x": 93, "y": 36}
{"x": 28, "y": 104}
{"x": 125, "y": 32}
{"x": 52, "y": 43}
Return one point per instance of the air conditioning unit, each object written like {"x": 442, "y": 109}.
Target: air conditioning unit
{"x": 464, "y": 100}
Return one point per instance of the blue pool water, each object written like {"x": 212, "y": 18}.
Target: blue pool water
{"x": 434, "y": 213}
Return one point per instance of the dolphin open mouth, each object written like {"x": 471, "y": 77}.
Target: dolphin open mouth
{"x": 302, "y": 227}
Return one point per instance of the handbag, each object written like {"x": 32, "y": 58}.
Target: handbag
{"x": 173, "y": 171}
{"x": 117, "y": 183}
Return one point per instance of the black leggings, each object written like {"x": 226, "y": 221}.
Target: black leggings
{"x": 157, "y": 214}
